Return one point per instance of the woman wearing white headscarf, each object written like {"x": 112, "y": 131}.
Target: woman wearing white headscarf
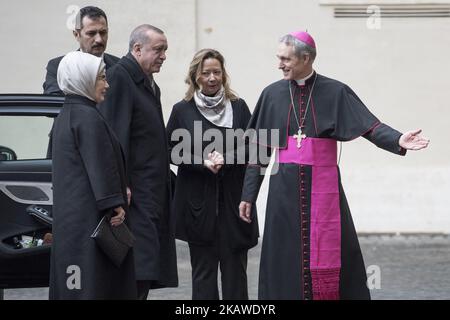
{"x": 88, "y": 183}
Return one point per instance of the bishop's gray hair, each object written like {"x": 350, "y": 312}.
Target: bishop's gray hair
{"x": 300, "y": 48}
{"x": 140, "y": 35}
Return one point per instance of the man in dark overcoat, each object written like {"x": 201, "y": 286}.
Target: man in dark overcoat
{"x": 133, "y": 109}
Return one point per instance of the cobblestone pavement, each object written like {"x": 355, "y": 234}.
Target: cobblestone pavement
{"x": 410, "y": 267}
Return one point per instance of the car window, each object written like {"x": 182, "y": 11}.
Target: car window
{"x": 24, "y": 137}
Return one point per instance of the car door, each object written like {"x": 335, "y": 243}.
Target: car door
{"x": 25, "y": 189}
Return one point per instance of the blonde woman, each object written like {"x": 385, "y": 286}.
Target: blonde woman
{"x": 208, "y": 187}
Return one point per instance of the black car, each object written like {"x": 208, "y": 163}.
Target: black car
{"x": 26, "y": 188}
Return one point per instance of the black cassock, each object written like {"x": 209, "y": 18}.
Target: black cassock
{"x": 334, "y": 113}
{"x": 134, "y": 112}
{"x": 88, "y": 182}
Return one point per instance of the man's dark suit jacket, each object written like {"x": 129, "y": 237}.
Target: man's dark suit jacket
{"x": 51, "y": 84}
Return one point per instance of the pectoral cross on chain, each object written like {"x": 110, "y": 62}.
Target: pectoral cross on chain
{"x": 299, "y": 136}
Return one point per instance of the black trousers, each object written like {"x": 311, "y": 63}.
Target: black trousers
{"x": 205, "y": 261}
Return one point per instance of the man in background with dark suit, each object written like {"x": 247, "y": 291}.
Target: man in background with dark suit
{"x": 91, "y": 32}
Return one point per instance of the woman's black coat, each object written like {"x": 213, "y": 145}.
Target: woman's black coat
{"x": 204, "y": 201}
{"x": 88, "y": 182}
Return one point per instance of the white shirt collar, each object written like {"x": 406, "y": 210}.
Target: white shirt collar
{"x": 102, "y": 56}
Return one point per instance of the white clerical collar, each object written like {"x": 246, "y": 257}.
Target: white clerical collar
{"x": 301, "y": 82}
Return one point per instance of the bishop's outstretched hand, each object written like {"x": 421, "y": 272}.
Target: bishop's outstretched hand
{"x": 412, "y": 140}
